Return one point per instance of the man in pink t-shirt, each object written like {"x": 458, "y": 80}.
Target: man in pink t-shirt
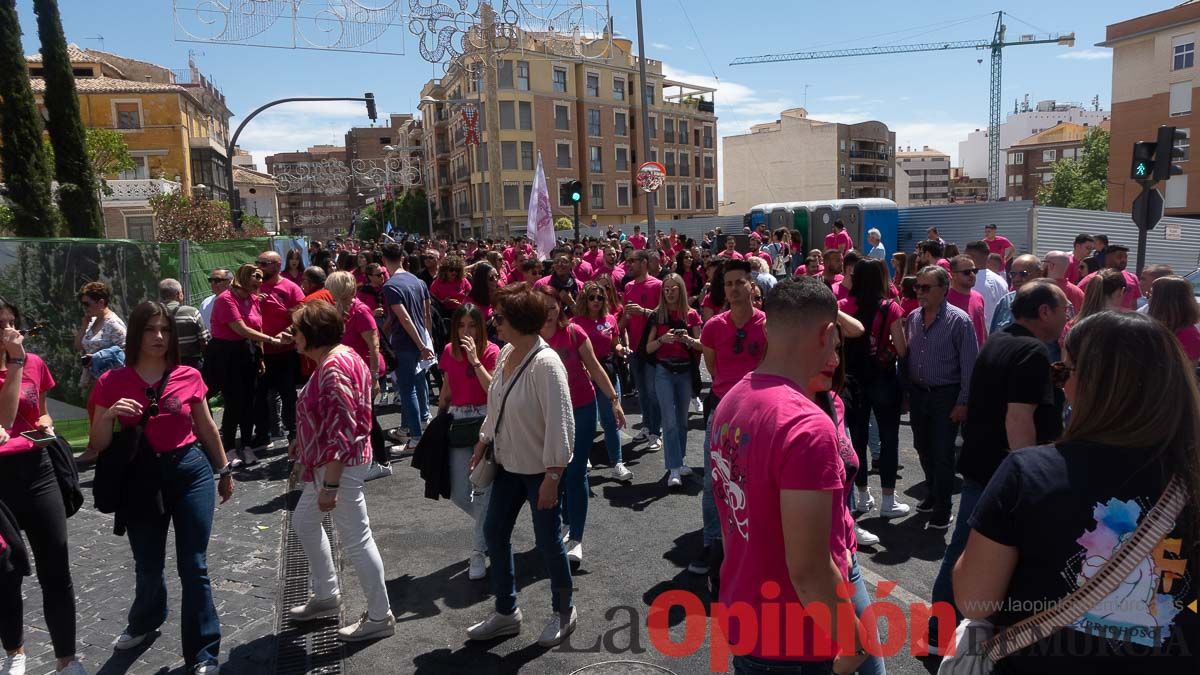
{"x": 998, "y": 245}
{"x": 1084, "y": 245}
{"x": 282, "y": 362}
{"x": 839, "y": 240}
{"x": 638, "y": 240}
{"x": 962, "y": 295}
{"x": 778, "y": 481}
{"x": 730, "y": 250}
{"x": 1057, "y": 265}
{"x": 1116, "y": 257}
{"x": 641, "y": 296}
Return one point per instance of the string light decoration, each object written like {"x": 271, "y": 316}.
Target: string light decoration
{"x": 334, "y": 177}
{"x": 368, "y": 26}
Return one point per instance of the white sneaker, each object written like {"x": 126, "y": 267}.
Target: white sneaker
{"x": 685, "y": 471}
{"x": 589, "y": 465}
{"x": 378, "y": 471}
{"x": 248, "y": 457}
{"x": 897, "y": 509}
{"x": 367, "y": 628}
{"x": 425, "y": 418}
{"x": 559, "y": 627}
{"x": 655, "y": 443}
{"x": 864, "y": 501}
{"x": 75, "y": 668}
{"x": 865, "y": 538}
{"x": 13, "y": 665}
{"x": 673, "y": 479}
{"x": 478, "y": 566}
{"x": 126, "y": 641}
{"x": 496, "y": 625}
{"x": 315, "y": 608}
{"x": 206, "y": 669}
{"x": 564, "y": 532}
{"x": 697, "y": 407}
{"x": 574, "y": 551}
{"x": 619, "y": 472}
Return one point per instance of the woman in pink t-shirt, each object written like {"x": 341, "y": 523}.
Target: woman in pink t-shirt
{"x": 467, "y": 364}
{"x": 1172, "y": 303}
{"x": 575, "y": 349}
{"x": 293, "y": 266}
{"x": 602, "y": 328}
{"x": 674, "y": 343}
{"x": 451, "y": 286}
{"x": 180, "y": 429}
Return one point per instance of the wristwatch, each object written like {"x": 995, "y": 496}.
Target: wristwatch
{"x": 226, "y": 470}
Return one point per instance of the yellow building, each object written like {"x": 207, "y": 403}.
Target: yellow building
{"x": 175, "y": 123}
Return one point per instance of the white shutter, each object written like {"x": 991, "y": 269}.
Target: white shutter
{"x": 1181, "y": 97}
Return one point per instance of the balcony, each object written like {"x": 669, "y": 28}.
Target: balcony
{"x": 140, "y": 190}
{"x": 868, "y": 178}
{"x": 870, "y": 154}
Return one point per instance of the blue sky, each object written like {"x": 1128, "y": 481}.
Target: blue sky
{"x": 928, "y": 99}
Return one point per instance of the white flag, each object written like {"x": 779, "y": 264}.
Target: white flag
{"x": 540, "y": 228}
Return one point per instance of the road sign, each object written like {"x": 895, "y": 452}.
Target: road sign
{"x": 1148, "y": 208}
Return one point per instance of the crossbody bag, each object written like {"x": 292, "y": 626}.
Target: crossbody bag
{"x": 485, "y": 471}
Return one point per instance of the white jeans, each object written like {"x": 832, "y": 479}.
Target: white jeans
{"x": 466, "y": 497}
{"x": 354, "y": 529}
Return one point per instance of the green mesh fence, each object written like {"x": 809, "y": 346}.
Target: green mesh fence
{"x": 202, "y": 259}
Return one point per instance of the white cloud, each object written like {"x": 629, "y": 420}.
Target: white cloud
{"x": 1087, "y": 55}
{"x": 661, "y": 46}
{"x": 942, "y": 135}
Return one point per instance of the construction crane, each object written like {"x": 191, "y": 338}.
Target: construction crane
{"x": 996, "y": 44}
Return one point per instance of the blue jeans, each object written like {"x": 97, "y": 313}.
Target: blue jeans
{"x": 643, "y": 378}
{"x": 189, "y": 498}
{"x": 933, "y": 436}
{"x": 861, "y": 600}
{"x": 412, "y": 389}
{"x": 943, "y": 586}
{"x": 708, "y": 505}
{"x": 674, "y": 396}
{"x": 574, "y": 503}
{"x": 752, "y": 665}
{"x": 510, "y": 491}
{"x": 608, "y": 422}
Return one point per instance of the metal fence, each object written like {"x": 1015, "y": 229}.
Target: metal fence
{"x": 1057, "y": 228}
{"x": 961, "y": 223}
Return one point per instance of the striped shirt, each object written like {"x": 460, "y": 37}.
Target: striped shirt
{"x": 944, "y": 353}
{"x": 333, "y": 413}
{"x": 190, "y": 330}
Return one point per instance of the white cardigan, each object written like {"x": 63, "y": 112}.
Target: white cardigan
{"x": 538, "y": 429}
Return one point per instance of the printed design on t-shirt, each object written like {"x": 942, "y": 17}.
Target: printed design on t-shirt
{"x": 1143, "y": 607}
{"x": 171, "y": 405}
{"x": 30, "y": 394}
{"x": 729, "y": 459}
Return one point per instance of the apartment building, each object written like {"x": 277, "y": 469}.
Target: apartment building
{"x": 1154, "y": 83}
{"x": 259, "y": 196}
{"x": 381, "y": 150}
{"x": 1030, "y": 161}
{"x": 313, "y": 194}
{"x": 926, "y": 177}
{"x": 175, "y": 123}
{"x": 582, "y": 113}
{"x": 796, "y": 158}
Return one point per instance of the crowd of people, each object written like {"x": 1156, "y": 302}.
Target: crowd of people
{"x": 1041, "y": 365}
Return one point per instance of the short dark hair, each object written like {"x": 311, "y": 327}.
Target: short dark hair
{"x": 138, "y": 320}
{"x": 522, "y": 308}
{"x": 989, "y": 226}
{"x": 530, "y": 264}
{"x": 392, "y": 252}
{"x": 96, "y": 291}
{"x": 1100, "y": 239}
{"x": 739, "y": 265}
{"x": 851, "y": 257}
{"x": 1084, "y": 238}
{"x": 932, "y": 246}
{"x": 800, "y": 298}
{"x": 1030, "y": 297}
{"x": 315, "y": 275}
{"x": 978, "y": 246}
{"x": 320, "y": 323}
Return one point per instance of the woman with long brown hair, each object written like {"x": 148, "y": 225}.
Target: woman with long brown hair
{"x": 1052, "y": 515}
{"x": 451, "y": 286}
{"x": 674, "y": 339}
{"x": 594, "y": 315}
{"x": 1103, "y": 296}
{"x": 1173, "y": 304}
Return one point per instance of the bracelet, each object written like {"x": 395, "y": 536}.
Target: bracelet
{"x": 476, "y": 365}
{"x": 15, "y": 362}
{"x": 226, "y": 470}
{"x": 327, "y": 486}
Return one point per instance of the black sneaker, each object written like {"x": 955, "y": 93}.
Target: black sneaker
{"x": 940, "y": 521}
{"x": 701, "y": 565}
{"x": 926, "y": 506}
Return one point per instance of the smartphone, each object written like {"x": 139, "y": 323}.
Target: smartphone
{"x": 38, "y": 437}
{"x": 678, "y": 331}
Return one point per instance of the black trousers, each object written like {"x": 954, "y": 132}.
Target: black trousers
{"x": 29, "y": 489}
{"x": 280, "y": 377}
{"x": 235, "y": 367}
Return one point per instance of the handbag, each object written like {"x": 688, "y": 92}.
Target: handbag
{"x": 977, "y": 649}
{"x": 66, "y": 473}
{"x": 485, "y": 471}
{"x": 108, "y": 488}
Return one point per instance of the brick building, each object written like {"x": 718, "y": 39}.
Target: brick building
{"x": 1030, "y": 161}
{"x": 313, "y": 206}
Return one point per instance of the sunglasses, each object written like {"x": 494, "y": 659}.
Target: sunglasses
{"x": 737, "y": 341}
{"x": 1027, "y": 273}
{"x": 216, "y": 280}
{"x": 264, "y": 263}
{"x": 152, "y": 396}
{"x": 497, "y": 318}
{"x": 924, "y": 288}
{"x": 970, "y": 272}
{"x": 256, "y": 276}
{"x": 595, "y": 298}
{"x": 1060, "y": 372}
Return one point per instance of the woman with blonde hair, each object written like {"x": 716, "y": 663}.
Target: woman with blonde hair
{"x": 673, "y": 338}
{"x": 1173, "y": 304}
{"x": 594, "y": 315}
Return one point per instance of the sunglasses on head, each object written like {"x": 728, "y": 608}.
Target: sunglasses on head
{"x": 1060, "y": 372}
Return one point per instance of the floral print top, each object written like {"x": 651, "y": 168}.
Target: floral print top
{"x": 333, "y": 413}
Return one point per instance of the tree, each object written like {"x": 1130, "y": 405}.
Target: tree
{"x": 1080, "y": 183}
{"x": 26, "y": 173}
{"x": 6, "y": 220}
{"x": 77, "y": 197}
{"x": 178, "y": 216}
{"x": 563, "y": 223}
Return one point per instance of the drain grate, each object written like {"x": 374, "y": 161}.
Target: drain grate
{"x": 312, "y": 647}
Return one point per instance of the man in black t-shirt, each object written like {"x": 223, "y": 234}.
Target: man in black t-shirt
{"x": 1012, "y": 405}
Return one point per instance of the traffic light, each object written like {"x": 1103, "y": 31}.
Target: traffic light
{"x": 574, "y": 192}
{"x": 1166, "y": 153}
{"x": 1143, "y": 161}
{"x": 371, "y": 111}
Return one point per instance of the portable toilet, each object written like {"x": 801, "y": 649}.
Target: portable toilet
{"x": 758, "y": 216}
{"x": 800, "y": 219}
{"x": 849, "y": 211}
{"x": 882, "y": 215}
{"x": 779, "y": 216}
{"x": 821, "y": 222}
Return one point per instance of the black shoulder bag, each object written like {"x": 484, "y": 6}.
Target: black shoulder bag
{"x": 112, "y": 467}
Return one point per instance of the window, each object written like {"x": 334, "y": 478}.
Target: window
{"x": 622, "y": 194}
{"x": 523, "y": 75}
{"x": 683, "y": 131}
{"x": 1016, "y": 158}
{"x": 593, "y": 122}
{"x": 708, "y": 166}
{"x": 1183, "y": 52}
{"x": 708, "y": 137}
{"x": 1184, "y": 145}
{"x": 505, "y": 71}
{"x": 668, "y": 130}
{"x": 653, "y": 127}
{"x": 137, "y": 172}
{"x": 485, "y": 197}
{"x": 670, "y": 196}
{"x": 527, "y": 155}
{"x": 481, "y": 159}
{"x": 653, "y": 154}
{"x": 620, "y": 127}
{"x": 525, "y": 113}
{"x": 563, "y": 199}
{"x": 562, "y": 153}
{"x": 1181, "y": 98}
{"x": 1176, "y": 194}
{"x": 128, "y": 115}
{"x": 619, "y": 88}
{"x": 562, "y": 117}
{"x": 560, "y": 79}
{"x": 528, "y": 190}
{"x": 597, "y": 195}
{"x": 596, "y": 159}
{"x": 843, "y": 171}
{"x": 670, "y": 163}
{"x": 508, "y": 118}
{"x": 139, "y": 227}
{"x": 512, "y": 196}
{"x": 685, "y": 197}
{"x": 593, "y": 85}
{"x": 1049, "y": 156}
{"x": 622, "y": 158}
{"x": 685, "y": 164}
{"x": 385, "y": 140}
{"x": 508, "y": 155}
{"x": 649, "y": 95}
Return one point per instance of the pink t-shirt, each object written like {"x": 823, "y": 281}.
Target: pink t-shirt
{"x": 1189, "y": 337}
{"x": 1132, "y": 290}
{"x": 738, "y": 350}
{"x": 602, "y": 332}
{"x": 676, "y": 351}
{"x": 464, "y": 385}
{"x": 837, "y": 279}
{"x": 638, "y": 241}
{"x": 894, "y": 313}
{"x": 1073, "y": 275}
{"x": 769, "y": 437}
{"x": 358, "y": 321}
{"x": 732, "y": 255}
{"x": 944, "y": 264}
{"x": 839, "y": 241}
{"x": 998, "y": 245}
{"x": 567, "y": 342}
{"x": 584, "y": 272}
{"x": 840, "y": 291}
{"x": 172, "y": 427}
{"x": 35, "y": 381}
{"x": 281, "y": 296}
{"x": 1073, "y": 293}
{"x": 645, "y": 293}
{"x": 973, "y": 305}
{"x": 449, "y": 291}
{"x": 228, "y": 308}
